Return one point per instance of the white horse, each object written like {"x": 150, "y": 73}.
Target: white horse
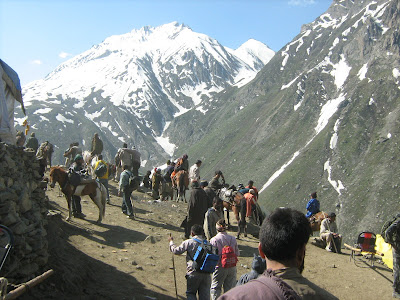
{"x": 90, "y": 161}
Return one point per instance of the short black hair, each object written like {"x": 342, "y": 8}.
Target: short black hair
{"x": 218, "y": 172}
{"x": 283, "y": 232}
{"x": 197, "y": 229}
{"x": 217, "y": 199}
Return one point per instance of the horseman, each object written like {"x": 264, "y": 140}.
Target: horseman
{"x": 181, "y": 165}
{"x": 312, "y": 205}
{"x": 214, "y": 183}
{"x": 77, "y": 167}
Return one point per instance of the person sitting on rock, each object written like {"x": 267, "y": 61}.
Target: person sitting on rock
{"x": 328, "y": 233}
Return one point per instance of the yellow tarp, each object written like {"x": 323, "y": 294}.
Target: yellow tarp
{"x": 386, "y": 249}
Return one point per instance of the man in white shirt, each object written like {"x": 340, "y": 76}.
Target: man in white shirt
{"x": 194, "y": 172}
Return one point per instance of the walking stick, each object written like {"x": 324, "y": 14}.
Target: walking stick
{"x": 173, "y": 267}
{"x": 333, "y": 238}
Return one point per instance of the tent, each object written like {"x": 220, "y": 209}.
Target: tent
{"x": 10, "y": 91}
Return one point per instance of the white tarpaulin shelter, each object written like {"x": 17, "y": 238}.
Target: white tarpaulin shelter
{"x": 10, "y": 91}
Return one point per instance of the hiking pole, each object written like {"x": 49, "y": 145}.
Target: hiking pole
{"x": 173, "y": 267}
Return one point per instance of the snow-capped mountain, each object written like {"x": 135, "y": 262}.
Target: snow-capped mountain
{"x": 130, "y": 86}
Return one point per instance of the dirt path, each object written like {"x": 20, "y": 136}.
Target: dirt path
{"x": 130, "y": 259}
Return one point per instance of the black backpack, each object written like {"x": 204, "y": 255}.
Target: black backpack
{"x": 101, "y": 170}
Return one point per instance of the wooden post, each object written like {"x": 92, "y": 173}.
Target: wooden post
{"x": 28, "y": 285}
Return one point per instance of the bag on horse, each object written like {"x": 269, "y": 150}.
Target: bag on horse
{"x": 206, "y": 257}
{"x": 74, "y": 178}
{"x": 228, "y": 257}
{"x": 101, "y": 170}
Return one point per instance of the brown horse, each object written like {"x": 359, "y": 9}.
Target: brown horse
{"x": 316, "y": 219}
{"x": 95, "y": 190}
{"x": 181, "y": 184}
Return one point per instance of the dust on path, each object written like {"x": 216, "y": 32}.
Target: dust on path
{"x": 130, "y": 259}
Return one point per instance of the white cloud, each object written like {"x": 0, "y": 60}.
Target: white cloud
{"x": 36, "y": 62}
{"x": 64, "y": 54}
{"x": 301, "y": 2}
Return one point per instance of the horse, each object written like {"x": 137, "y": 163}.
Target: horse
{"x": 316, "y": 219}
{"x": 95, "y": 190}
{"x": 89, "y": 160}
{"x": 181, "y": 185}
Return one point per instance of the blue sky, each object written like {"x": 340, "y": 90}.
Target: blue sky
{"x": 38, "y": 35}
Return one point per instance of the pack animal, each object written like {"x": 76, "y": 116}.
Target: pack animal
{"x": 316, "y": 219}
{"x": 182, "y": 184}
{"x": 90, "y": 161}
{"x": 95, "y": 190}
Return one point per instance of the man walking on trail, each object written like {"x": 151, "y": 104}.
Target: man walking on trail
{"x": 167, "y": 190}
{"x": 211, "y": 218}
{"x": 196, "y": 282}
{"x": 209, "y": 191}
{"x": 214, "y": 183}
{"x": 391, "y": 235}
{"x": 250, "y": 202}
{"x": 194, "y": 172}
{"x": 197, "y": 207}
{"x": 32, "y": 142}
{"x": 328, "y": 232}
{"x": 224, "y": 275}
{"x": 103, "y": 179}
{"x": 97, "y": 145}
{"x": 156, "y": 181}
{"x": 126, "y": 192}
{"x": 283, "y": 238}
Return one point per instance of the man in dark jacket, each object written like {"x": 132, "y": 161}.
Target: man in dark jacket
{"x": 32, "y": 142}
{"x": 214, "y": 183}
{"x": 77, "y": 167}
{"x": 197, "y": 207}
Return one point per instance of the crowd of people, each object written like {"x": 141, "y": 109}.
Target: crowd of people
{"x": 276, "y": 271}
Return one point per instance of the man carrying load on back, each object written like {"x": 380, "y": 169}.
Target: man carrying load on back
{"x": 197, "y": 282}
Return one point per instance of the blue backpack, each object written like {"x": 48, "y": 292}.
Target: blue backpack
{"x": 206, "y": 257}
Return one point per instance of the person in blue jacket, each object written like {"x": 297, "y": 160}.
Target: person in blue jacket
{"x": 312, "y": 205}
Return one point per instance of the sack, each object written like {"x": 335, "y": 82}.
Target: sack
{"x": 206, "y": 257}
{"x": 228, "y": 257}
{"x": 101, "y": 170}
{"x": 74, "y": 178}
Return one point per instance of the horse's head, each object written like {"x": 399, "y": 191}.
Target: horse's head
{"x": 56, "y": 176}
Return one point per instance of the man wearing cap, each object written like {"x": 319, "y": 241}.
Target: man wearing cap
{"x": 194, "y": 172}
{"x": 328, "y": 233}
{"x": 211, "y": 218}
{"x": 126, "y": 192}
{"x": 223, "y": 277}
{"x": 209, "y": 191}
{"x": 196, "y": 282}
{"x": 214, "y": 183}
{"x": 77, "y": 167}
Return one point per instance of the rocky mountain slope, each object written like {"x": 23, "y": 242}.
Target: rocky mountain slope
{"x": 321, "y": 116}
{"x": 130, "y": 87}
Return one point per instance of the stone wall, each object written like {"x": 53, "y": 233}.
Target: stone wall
{"x": 23, "y": 209}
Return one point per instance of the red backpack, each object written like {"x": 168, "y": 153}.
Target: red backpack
{"x": 228, "y": 257}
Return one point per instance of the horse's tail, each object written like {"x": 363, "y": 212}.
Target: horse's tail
{"x": 103, "y": 199}
{"x": 181, "y": 182}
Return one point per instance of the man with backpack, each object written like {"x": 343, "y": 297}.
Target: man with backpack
{"x": 101, "y": 172}
{"x": 198, "y": 282}
{"x": 391, "y": 235}
{"x": 126, "y": 191}
{"x": 228, "y": 250}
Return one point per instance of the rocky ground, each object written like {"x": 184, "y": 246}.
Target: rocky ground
{"x": 130, "y": 259}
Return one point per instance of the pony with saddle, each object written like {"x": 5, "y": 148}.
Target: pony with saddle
{"x": 181, "y": 181}
{"x": 316, "y": 220}
{"x": 95, "y": 190}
